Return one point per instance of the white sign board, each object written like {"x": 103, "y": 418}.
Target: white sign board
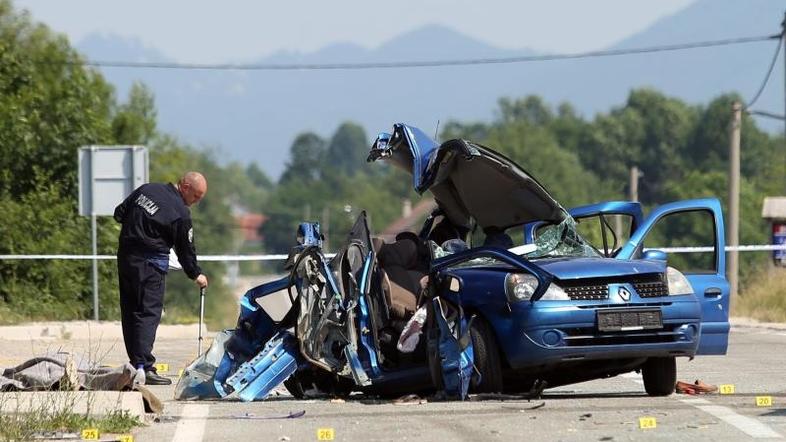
{"x": 107, "y": 175}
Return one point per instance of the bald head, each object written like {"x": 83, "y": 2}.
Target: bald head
{"x": 193, "y": 187}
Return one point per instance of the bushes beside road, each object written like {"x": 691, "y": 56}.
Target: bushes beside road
{"x": 764, "y": 297}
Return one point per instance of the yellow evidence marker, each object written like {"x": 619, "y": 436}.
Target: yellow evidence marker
{"x": 326, "y": 434}
{"x": 126, "y": 438}
{"x": 90, "y": 434}
{"x": 645, "y": 423}
{"x": 726, "y": 389}
{"x": 162, "y": 368}
{"x": 764, "y": 401}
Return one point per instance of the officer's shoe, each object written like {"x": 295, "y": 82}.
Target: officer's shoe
{"x": 153, "y": 378}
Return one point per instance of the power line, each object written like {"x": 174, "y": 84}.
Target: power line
{"x": 769, "y": 72}
{"x": 766, "y": 114}
{"x": 420, "y": 64}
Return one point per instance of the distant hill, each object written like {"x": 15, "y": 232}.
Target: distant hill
{"x": 255, "y": 115}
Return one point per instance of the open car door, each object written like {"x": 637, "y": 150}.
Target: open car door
{"x": 691, "y": 233}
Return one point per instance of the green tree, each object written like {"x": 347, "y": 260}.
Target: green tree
{"x": 306, "y": 156}
{"x": 135, "y": 121}
{"x": 531, "y": 109}
{"x": 258, "y": 177}
{"x": 347, "y": 150}
{"x": 50, "y": 104}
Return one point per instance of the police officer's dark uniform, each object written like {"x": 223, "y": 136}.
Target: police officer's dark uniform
{"x": 155, "y": 219}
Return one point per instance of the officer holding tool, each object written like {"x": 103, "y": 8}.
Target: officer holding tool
{"x": 155, "y": 218}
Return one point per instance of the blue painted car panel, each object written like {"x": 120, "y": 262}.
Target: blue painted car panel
{"x": 711, "y": 289}
{"x": 541, "y": 334}
{"x": 578, "y": 268}
{"x": 456, "y": 352}
{"x": 256, "y": 378}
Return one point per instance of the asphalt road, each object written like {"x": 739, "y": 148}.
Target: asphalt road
{"x": 605, "y": 410}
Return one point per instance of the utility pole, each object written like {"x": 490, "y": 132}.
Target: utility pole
{"x": 783, "y": 36}
{"x": 733, "y": 238}
{"x": 325, "y": 227}
{"x": 635, "y": 174}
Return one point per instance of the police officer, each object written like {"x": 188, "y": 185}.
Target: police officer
{"x": 155, "y": 218}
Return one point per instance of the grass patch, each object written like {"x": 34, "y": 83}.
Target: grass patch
{"x": 25, "y": 426}
{"x": 764, "y": 298}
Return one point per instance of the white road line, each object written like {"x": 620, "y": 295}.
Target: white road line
{"x": 747, "y": 425}
{"x": 191, "y": 426}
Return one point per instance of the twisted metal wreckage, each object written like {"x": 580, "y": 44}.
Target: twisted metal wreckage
{"x": 430, "y": 312}
{"x": 316, "y": 347}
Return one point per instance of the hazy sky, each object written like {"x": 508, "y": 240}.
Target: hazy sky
{"x": 238, "y": 30}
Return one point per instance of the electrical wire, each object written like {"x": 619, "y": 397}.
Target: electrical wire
{"x": 766, "y": 114}
{"x": 769, "y": 72}
{"x": 420, "y": 64}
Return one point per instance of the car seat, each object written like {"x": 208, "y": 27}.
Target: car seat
{"x": 401, "y": 269}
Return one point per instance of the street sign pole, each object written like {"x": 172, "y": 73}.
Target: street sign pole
{"x": 112, "y": 174}
{"x": 93, "y": 229}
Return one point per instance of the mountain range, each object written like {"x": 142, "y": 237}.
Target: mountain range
{"x": 255, "y": 115}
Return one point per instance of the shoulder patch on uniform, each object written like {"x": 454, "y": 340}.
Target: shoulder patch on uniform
{"x": 146, "y": 203}
{"x": 191, "y": 235}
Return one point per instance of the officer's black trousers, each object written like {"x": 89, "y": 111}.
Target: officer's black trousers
{"x": 141, "y": 301}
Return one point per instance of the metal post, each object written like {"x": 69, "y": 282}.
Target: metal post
{"x": 326, "y": 227}
{"x": 783, "y": 36}
{"x": 734, "y": 197}
{"x": 93, "y": 228}
{"x": 634, "y": 183}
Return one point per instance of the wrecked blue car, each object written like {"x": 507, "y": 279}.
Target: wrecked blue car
{"x": 501, "y": 290}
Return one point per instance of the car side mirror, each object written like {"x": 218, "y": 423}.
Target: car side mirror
{"x": 654, "y": 255}
{"x": 453, "y": 283}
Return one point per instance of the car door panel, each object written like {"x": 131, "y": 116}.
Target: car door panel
{"x": 710, "y": 286}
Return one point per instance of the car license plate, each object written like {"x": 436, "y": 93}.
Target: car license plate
{"x": 629, "y": 319}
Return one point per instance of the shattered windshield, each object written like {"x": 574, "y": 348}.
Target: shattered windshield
{"x": 561, "y": 240}
{"x": 552, "y": 241}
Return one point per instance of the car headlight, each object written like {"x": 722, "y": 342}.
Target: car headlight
{"x": 678, "y": 283}
{"x": 555, "y": 293}
{"x": 520, "y": 286}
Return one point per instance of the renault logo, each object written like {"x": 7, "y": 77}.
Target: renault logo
{"x": 624, "y": 294}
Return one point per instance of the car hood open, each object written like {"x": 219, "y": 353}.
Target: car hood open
{"x": 468, "y": 181}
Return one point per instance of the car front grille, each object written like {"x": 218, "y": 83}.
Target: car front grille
{"x": 583, "y": 292}
{"x": 650, "y": 285}
{"x": 584, "y": 337}
{"x": 652, "y": 289}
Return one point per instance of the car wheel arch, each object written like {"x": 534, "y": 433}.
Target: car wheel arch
{"x": 470, "y": 311}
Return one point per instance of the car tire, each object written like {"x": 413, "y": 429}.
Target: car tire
{"x": 660, "y": 376}
{"x": 487, "y": 358}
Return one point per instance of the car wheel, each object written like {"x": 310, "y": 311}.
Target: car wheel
{"x": 487, "y": 358}
{"x": 660, "y": 376}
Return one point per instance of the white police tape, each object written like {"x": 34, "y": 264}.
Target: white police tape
{"x": 232, "y": 258}
{"x": 749, "y": 248}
